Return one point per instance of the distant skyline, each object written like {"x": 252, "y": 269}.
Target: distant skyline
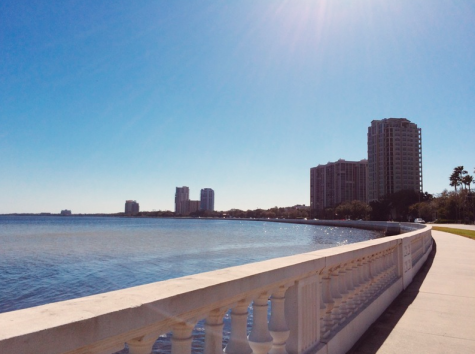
{"x": 105, "y": 102}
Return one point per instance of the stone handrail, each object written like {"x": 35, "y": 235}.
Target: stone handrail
{"x": 321, "y": 302}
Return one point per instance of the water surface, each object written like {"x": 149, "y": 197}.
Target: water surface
{"x": 47, "y": 259}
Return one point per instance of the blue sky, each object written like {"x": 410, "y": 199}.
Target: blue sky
{"x": 106, "y": 101}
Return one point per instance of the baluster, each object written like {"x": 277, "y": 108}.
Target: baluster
{"x": 342, "y": 287}
{"x": 350, "y": 302}
{"x": 321, "y": 288}
{"x": 363, "y": 280}
{"x": 384, "y": 269}
{"x": 328, "y": 301}
{"x": 384, "y": 274}
{"x": 182, "y": 338}
{"x": 373, "y": 278}
{"x": 373, "y": 275}
{"x": 394, "y": 264}
{"x": 238, "y": 343}
{"x": 381, "y": 272}
{"x": 367, "y": 278}
{"x": 357, "y": 299}
{"x": 335, "y": 292}
{"x": 277, "y": 323}
{"x": 142, "y": 345}
{"x": 260, "y": 339}
{"x": 387, "y": 267}
{"x": 214, "y": 331}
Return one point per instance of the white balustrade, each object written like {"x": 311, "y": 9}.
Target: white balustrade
{"x": 313, "y": 297}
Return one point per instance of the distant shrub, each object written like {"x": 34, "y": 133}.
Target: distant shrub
{"x": 445, "y": 221}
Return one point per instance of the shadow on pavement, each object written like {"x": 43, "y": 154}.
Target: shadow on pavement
{"x": 379, "y": 331}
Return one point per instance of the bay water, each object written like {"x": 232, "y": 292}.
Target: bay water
{"x": 45, "y": 259}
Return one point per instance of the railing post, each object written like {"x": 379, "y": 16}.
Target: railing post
{"x": 277, "y": 323}
{"x": 302, "y": 311}
{"x": 238, "y": 343}
{"x": 260, "y": 339}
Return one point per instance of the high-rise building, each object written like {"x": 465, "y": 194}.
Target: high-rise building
{"x": 182, "y": 196}
{"x": 207, "y": 199}
{"x": 192, "y": 206}
{"x": 337, "y": 182}
{"x": 131, "y": 207}
{"x": 394, "y": 157}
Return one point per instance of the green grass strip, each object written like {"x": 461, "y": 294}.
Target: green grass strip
{"x": 461, "y": 232}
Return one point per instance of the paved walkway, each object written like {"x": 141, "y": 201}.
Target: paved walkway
{"x": 436, "y": 313}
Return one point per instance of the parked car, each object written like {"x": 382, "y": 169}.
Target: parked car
{"x": 419, "y": 221}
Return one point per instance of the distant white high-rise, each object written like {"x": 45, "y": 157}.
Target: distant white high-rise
{"x": 182, "y": 196}
{"x": 394, "y": 157}
{"x": 207, "y": 199}
{"x": 131, "y": 207}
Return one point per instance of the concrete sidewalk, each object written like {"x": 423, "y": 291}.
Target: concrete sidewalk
{"x": 436, "y": 313}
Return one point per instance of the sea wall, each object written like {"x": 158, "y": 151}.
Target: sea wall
{"x": 321, "y": 302}
{"x": 389, "y": 228}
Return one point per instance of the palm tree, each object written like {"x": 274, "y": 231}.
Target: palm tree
{"x": 454, "y": 180}
{"x": 463, "y": 174}
{"x": 456, "y": 177}
{"x": 467, "y": 180}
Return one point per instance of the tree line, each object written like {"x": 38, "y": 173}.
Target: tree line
{"x": 457, "y": 206}
{"x": 405, "y": 205}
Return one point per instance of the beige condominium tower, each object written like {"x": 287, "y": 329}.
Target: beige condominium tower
{"x": 394, "y": 157}
{"x": 337, "y": 182}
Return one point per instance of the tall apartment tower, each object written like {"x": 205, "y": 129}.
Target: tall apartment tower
{"x": 207, "y": 199}
{"x": 131, "y": 207}
{"x": 182, "y": 196}
{"x": 337, "y": 182}
{"x": 394, "y": 157}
